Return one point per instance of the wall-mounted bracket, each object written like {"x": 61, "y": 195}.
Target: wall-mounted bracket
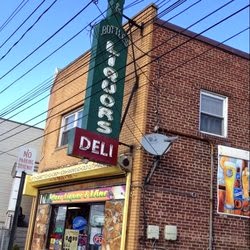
{"x": 134, "y": 23}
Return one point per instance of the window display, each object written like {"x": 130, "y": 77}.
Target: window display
{"x": 77, "y": 227}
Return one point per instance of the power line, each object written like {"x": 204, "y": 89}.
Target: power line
{"x": 69, "y": 41}
{"x": 28, "y": 107}
{"x": 48, "y": 56}
{"x": 27, "y": 31}
{"x": 22, "y": 24}
{"x": 50, "y": 78}
{"x": 56, "y": 50}
{"x": 13, "y": 14}
{"x": 127, "y": 94}
{"x": 49, "y": 38}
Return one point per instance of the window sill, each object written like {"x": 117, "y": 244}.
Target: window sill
{"x": 58, "y": 148}
{"x": 216, "y": 135}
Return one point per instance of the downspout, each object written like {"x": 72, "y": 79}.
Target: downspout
{"x": 210, "y": 247}
{"x": 125, "y": 214}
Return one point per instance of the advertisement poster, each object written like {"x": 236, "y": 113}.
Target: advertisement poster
{"x": 233, "y": 182}
{"x": 55, "y": 244}
{"x": 95, "y": 232}
{"x": 70, "y": 239}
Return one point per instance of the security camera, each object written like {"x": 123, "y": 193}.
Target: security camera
{"x": 125, "y": 162}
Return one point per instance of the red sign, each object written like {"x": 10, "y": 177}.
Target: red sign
{"x": 95, "y": 147}
{"x": 97, "y": 239}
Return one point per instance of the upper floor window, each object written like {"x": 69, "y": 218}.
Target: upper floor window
{"x": 69, "y": 121}
{"x": 213, "y": 114}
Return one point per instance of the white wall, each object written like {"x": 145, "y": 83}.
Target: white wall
{"x": 13, "y": 134}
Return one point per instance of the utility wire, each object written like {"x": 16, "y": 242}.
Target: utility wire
{"x": 172, "y": 7}
{"x": 22, "y": 23}
{"x": 25, "y": 58}
{"x": 66, "y": 43}
{"x": 27, "y": 31}
{"x": 127, "y": 94}
{"x": 48, "y": 57}
{"x": 55, "y": 33}
{"x": 11, "y": 107}
{"x": 33, "y": 118}
{"x": 13, "y": 14}
{"x": 50, "y": 78}
{"x": 43, "y": 60}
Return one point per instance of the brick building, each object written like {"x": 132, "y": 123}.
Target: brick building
{"x": 190, "y": 87}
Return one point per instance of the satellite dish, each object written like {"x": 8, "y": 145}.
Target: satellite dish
{"x": 157, "y": 144}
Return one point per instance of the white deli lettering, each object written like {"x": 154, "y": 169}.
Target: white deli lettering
{"x": 96, "y": 147}
{"x": 109, "y": 87}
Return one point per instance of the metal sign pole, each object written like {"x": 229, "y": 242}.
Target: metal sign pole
{"x": 18, "y": 203}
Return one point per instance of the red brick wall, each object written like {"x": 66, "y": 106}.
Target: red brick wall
{"x": 179, "y": 190}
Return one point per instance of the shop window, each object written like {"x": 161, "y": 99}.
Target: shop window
{"x": 213, "y": 114}
{"x": 69, "y": 121}
{"x": 76, "y": 226}
{"x": 57, "y": 225}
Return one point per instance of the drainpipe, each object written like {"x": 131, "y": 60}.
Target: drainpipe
{"x": 210, "y": 247}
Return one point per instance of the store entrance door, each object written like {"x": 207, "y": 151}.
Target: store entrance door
{"x": 76, "y": 227}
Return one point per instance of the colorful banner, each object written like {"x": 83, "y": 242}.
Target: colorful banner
{"x": 88, "y": 195}
{"x": 233, "y": 181}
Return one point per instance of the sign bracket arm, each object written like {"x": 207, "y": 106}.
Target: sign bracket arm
{"x": 132, "y": 22}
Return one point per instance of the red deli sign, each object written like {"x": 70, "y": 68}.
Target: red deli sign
{"x": 93, "y": 146}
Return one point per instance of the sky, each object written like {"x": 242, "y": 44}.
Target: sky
{"x": 27, "y": 65}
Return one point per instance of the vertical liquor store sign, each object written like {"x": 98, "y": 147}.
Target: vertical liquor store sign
{"x": 105, "y": 85}
{"x": 104, "y": 95}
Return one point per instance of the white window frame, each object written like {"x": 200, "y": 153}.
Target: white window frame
{"x": 224, "y": 116}
{"x": 62, "y": 130}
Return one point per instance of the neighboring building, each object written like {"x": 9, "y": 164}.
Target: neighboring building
{"x": 13, "y": 135}
{"x": 188, "y": 87}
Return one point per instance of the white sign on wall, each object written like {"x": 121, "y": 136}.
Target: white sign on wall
{"x": 26, "y": 159}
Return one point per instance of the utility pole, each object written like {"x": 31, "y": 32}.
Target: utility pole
{"x": 18, "y": 203}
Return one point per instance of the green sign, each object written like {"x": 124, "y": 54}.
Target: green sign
{"x": 105, "y": 85}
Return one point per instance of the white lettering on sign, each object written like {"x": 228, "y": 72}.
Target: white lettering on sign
{"x": 104, "y": 127}
{"x": 109, "y": 87}
{"x": 96, "y": 147}
{"x": 111, "y": 29}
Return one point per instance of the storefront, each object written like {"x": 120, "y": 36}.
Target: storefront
{"x": 82, "y": 210}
